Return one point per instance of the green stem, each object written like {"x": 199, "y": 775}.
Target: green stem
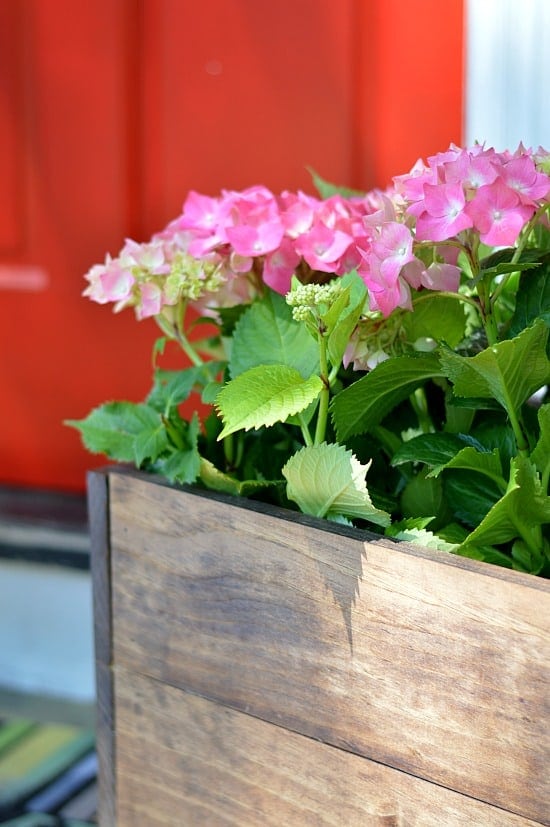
{"x": 187, "y": 347}
{"x": 527, "y": 230}
{"x": 180, "y": 336}
{"x": 545, "y": 478}
{"x": 487, "y": 317}
{"x": 517, "y": 428}
{"x": 420, "y": 405}
{"x": 228, "y": 451}
{"x": 532, "y": 538}
{"x": 173, "y": 433}
{"x": 324, "y": 396}
{"x": 308, "y": 440}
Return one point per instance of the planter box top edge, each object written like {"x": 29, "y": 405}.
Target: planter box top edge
{"x": 327, "y": 526}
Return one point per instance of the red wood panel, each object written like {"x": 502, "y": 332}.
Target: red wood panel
{"x": 11, "y": 171}
{"x": 112, "y": 110}
{"x": 410, "y": 71}
{"x": 59, "y": 354}
{"x": 241, "y": 93}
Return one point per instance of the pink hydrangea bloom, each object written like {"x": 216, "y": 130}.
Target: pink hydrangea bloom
{"x": 150, "y": 301}
{"x": 252, "y": 235}
{"x": 297, "y": 212}
{"x": 520, "y": 174}
{"x": 280, "y": 266}
{"x": 498, "y": 214}
{"x": 322, "y": 247}
{"x": 444, "y": 213}
{"x": 109, "y": 282}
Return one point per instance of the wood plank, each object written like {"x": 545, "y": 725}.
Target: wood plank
{"x": 100, "y": 563}
{"x": 430, "y": 664}
{"x": 192, "y": 761}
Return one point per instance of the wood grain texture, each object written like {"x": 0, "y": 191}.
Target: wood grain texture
{"x": 100, "y": 562}
{"x": 210, "y": 765}
{"x": 430, "y": 664}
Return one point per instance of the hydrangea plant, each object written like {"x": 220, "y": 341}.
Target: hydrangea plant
{"x": 379, "y": 359}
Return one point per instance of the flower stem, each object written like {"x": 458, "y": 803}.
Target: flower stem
{"x": 308, "y": 440}
{"x": 519, "y": 434}
{"x": 181, "y": 338}
{"x": 324, "y": 396}
{"x": 527, "y": 230}
{"x": 188, "y": 348}
{"x": 420, "y": 405}
{"x": 545, "y": 478}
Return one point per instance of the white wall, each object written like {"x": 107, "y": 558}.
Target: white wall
{"x": 508, "y": 73}
{"x": 46, "y": 630}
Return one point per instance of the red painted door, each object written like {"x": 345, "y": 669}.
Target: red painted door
{"x": 110, "y": 111}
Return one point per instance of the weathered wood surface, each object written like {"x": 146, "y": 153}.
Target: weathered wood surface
{"x": 98, "y": 515}
{"x": 429, "y": 664}
{"x": 184, "y": 760}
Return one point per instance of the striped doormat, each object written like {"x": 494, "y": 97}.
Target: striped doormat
{"x": 48, "y": 774}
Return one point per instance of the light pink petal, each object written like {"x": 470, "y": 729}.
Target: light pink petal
{"x": 150, "y": 301}
{"x": 280, "y": 266}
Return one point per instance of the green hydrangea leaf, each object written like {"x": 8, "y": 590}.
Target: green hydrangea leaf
{"x": 518, "y": 514}
{"x": 423, "y": 497}
{"x": 217, "y": 480}
{"x": 420, "y": 536}
{"x": 182, "y": 465}
{"x": 470, "y": 495}
{"x": 486, "y": 554}
{"x": 150, "y": 444}
{"x": 264, "y": 395}
{"x": 343, "y": 327}
{"x": 541, "y": 453}
{"x": 527, "y": 559}
{"x": 114, "y": 427}
{"x": 329, "y": 481}
{"x": 532, "y": 299}
{"x": 266, "y": 334}
{"x": 437, "y": 317}
{"x": 172, "y": 387}
{"x": 499, "y": 371}
{"x": 434, "y": 450}
{"x": 472, "y": 459}
{"x": 361, "y": 406}
{"x": 326, "y": 189}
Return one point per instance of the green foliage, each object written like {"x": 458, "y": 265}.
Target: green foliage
{"x": 263, "y": 395}
{"x": 541, "y": 453}
{"x": 365, "y": 403}
{"x": 267, "y": 335}
{"x": 518, "y": 515}
{"x": 217, "y": 480}
{"x": 328, "y": 481}
{"x": 115, "y": 428}
{"x": 413, "y": 531}
{"x": 342, "y": 320}
{"x": 457, "y": 452}
{"x": 532, "y": 299}
{"x": 436, "y": 317}
{"x": 498, "y": 372}
{"x": 326, "y": 189}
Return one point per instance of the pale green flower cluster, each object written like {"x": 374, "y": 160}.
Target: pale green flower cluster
{"x": 191, "y": 278}
{"x": 303, "y": 298}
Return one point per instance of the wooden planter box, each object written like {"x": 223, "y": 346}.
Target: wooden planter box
{"x": 257, "y": 667}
